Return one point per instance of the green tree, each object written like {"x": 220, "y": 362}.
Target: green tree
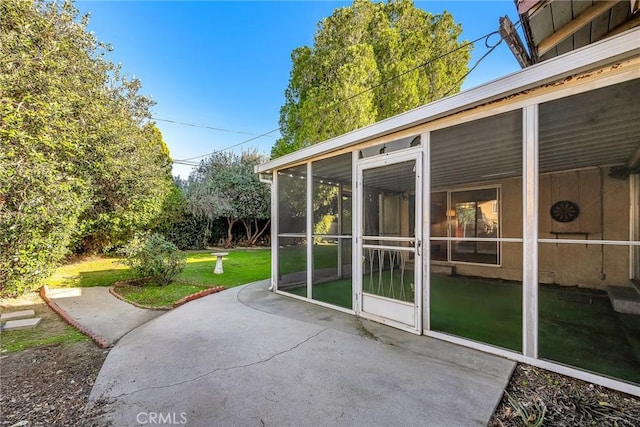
{"x": 224, "y": 185}
{"x": 80, "y": 164}
{"x": 130, "y": 175}
{"x": 368, "y": 45}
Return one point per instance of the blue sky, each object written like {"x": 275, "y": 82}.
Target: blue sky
{"x": 226, "y": 64}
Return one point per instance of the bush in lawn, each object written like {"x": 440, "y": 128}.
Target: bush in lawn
{"x": 154, "y": 257}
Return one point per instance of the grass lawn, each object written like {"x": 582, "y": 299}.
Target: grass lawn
{"x": 95, "y": 271}
{"x": 241, "y": 266}
{"x": 158, "y": 296}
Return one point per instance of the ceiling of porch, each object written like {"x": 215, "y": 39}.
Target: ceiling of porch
{"x": 596, "y": 128}
{"x": 600, "y": 128}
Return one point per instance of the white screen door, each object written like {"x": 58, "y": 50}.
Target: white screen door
{"x": 389, "y": 277}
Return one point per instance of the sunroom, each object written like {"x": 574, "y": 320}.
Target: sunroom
{"x": 505, "y": 218}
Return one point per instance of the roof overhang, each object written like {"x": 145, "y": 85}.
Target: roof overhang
{"x": 608, "y": 51}
{"x": 555, "y": 27}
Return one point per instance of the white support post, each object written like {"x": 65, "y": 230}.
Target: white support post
{"x": 530, "y": 232}
{"x": 309, "y": 231}
{"x": 634, "y": 226}
{"x": 340, "y": 218}
{"x": 274, "y": 232}
{"x": 356, "y": 256}
{"x": 426, "y": 231}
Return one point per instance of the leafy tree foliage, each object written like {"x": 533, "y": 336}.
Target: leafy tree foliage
{"x": 224, "y": 185}
{"x": 368, "y": 45}
{"x": 81, "y": 167}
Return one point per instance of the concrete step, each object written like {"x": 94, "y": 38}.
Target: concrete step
{"x": 624, "y": 299}
{"x": 20, "y": 324}
{"x": 17, "y": 315}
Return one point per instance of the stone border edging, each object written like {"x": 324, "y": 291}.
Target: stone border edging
{"x": 97, "y": 339}
{"x": 202, "y": 293}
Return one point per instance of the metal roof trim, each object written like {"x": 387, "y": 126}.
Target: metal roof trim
{"x": 624, "y": 45}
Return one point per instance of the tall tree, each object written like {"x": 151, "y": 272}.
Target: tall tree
{"x": 368, "y": 45}
{"x": 80, "y": 164}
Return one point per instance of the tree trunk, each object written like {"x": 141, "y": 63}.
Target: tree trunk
{"x": 258, "y": 232}
{"x": 247, "y": 229}
{"x": 206, "y": 233}
{"x": 253, "y": 231}
{"x": 230, "y": 222}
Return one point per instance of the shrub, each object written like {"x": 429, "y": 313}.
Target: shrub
{"x": 154, "y": 257}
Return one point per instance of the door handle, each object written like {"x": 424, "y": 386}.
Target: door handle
{"x": 418, "y": 245}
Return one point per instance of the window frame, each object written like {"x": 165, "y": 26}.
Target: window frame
{"x": 450, "y": 239}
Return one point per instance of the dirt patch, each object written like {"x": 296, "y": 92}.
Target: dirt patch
{"x": 557, "y": 400}
{"x": 50, "y": 385}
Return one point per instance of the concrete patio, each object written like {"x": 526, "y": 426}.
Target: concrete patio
{"x": 248, "y": 357}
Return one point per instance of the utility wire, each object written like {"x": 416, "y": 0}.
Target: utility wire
{"x": 490, "y": 48}
{"x": 231, "y": 146}
{"x": 485, "y": 37}
{"x": 203, "y": 126}
{"x": 423, "y": 64}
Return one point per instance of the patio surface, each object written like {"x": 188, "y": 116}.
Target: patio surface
{"x": 99, "y": 312}
{"x": 246, "y": 356}
{"x": 577, "y": 326}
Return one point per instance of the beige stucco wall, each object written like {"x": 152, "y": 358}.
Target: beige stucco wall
{"x": 604, "y": 214}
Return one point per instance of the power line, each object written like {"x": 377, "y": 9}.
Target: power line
{"x": 203, "y": 126}
{"x": 491, "y": 48}
{"x": 485, "y": 37}
{"x": 423, "y": 64}
{"x": 228, "y": 148}
{"x": 185, "y": 162}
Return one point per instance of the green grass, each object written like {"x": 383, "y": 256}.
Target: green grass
{"x": 241, "y": 266}
{"x": 158, "y": 296}
{"x": 90, "y": 272}
{"x": 51, "y": 330}
{"x": 26, "y": 338}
